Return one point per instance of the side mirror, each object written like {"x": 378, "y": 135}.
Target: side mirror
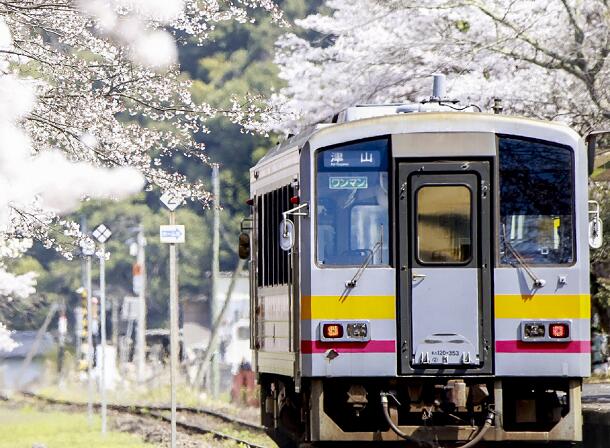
{"x": 596, "y": 226}
{"x": 286, "y": 234}
{"x": 244, "y": 239}
{"x": 244, "y": 246}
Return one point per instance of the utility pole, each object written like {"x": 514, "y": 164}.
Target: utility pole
{"x": 102, "y": 233}
{"x": 115, "y": 325}
{"x": 62, "y": 330}
{"x": 141, "y": 333}
{"x": 78, "y": 312}
{"x": 172, "y": 234}
{"x": 215, "y": 305}
{"x": 88, "y": 248}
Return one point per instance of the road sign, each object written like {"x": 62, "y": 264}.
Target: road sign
{"x": 172, "y": 234}
{"x": 102, "y": 233}
{"x": 171, "y": 200}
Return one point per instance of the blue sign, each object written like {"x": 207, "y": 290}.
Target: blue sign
{"x": 352, "y": 159}
{"x": 172, "y": 234}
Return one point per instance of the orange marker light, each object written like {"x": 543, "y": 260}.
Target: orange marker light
{"x": 559, "y": 331}
{"x": 332, "y": 331}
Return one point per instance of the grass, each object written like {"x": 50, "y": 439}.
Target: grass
{"x": 25, "y": 427}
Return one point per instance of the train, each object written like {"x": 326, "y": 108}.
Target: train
{"x": 421, "y": 274}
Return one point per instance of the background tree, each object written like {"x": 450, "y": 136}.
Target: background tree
{"x": 93, "y": 85}
{"x": 546, "y": 59}
{"x": 235, "y": 60}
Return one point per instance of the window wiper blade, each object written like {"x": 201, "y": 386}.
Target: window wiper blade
{"x": 352, "y": 283}
{"x": 538, "y": 282}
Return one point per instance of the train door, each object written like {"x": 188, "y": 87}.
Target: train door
{"x": 444, "y": 228}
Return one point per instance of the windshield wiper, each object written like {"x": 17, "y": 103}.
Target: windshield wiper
{"x": 352, "y": 283}
{"x": 538, "y": 282}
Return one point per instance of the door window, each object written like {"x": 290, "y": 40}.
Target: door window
{"x": 444, "y": 225}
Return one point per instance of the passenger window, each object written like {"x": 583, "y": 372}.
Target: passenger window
{"x": 444, "y": 225}
{"x": 536, "y": 201}
{"x": 352, "y": 203}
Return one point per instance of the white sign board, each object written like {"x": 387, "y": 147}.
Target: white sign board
{"x": 130, "y": 308}
{"x": 171, "y": 201}
{"x": 172, "y": 234}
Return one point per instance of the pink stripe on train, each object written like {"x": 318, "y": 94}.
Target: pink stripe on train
{"x": 309, "y": 347}
{"x": 543, "y": 347}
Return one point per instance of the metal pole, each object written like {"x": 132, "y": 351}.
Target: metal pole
{"x": 79, "y": 315}
{"x": 89, "y": 343}
{"x": 141, "y": 333}
{"x": 103, "y": 330}
{"x": 173, "y": 329}
{"x": 215, "y": 306}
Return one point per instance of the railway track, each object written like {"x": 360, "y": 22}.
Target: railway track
{"x": 157, "y": 412}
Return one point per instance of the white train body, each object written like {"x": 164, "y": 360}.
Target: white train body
{"x": 438, "y": 257}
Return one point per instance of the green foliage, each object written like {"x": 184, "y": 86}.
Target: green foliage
{"x": 59, "y": 278}
{"x": 462, "y": 25}
{"x": 236, "y": 63}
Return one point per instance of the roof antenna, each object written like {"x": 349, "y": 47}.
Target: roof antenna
{"x": 439, "y": 93}
{"x": 438, "y": 87}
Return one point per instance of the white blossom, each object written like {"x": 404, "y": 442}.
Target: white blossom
{"x": 91, "y": 98}
{"x": 6, "y": 343}
{"x": 545, "y": 59}
{"x": 80, "y": 83}
{"x": 17, "y": 286}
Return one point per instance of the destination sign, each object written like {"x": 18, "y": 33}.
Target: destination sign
{"x": 352, "y": 159}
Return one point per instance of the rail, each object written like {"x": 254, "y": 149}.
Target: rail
{"x": 155, "y": 412}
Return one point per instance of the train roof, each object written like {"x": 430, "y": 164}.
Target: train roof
{"x": 373, "y": 122}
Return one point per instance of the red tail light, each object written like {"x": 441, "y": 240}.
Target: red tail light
{"x": 332, "y": 331}
{"x": 559, "y": 331}
{"x": 294, "y": 200}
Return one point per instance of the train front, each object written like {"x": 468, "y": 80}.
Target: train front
{"x": 444, "y": 280}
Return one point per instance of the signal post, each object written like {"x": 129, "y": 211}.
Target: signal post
{"x": 173, "y": 234}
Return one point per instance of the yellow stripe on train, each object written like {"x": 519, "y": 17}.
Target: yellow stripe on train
{"x": 543, "y": 306}
{"x": 348, "y": 307}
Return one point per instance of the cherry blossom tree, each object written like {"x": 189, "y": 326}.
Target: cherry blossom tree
{"x": 545, "y": 59}
{"x": 92, "y": 102}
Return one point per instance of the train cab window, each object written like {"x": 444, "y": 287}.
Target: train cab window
{"x": 352, "y": 204}
{"x": 444, "y": 224}
{"x": 536, "y": 201}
